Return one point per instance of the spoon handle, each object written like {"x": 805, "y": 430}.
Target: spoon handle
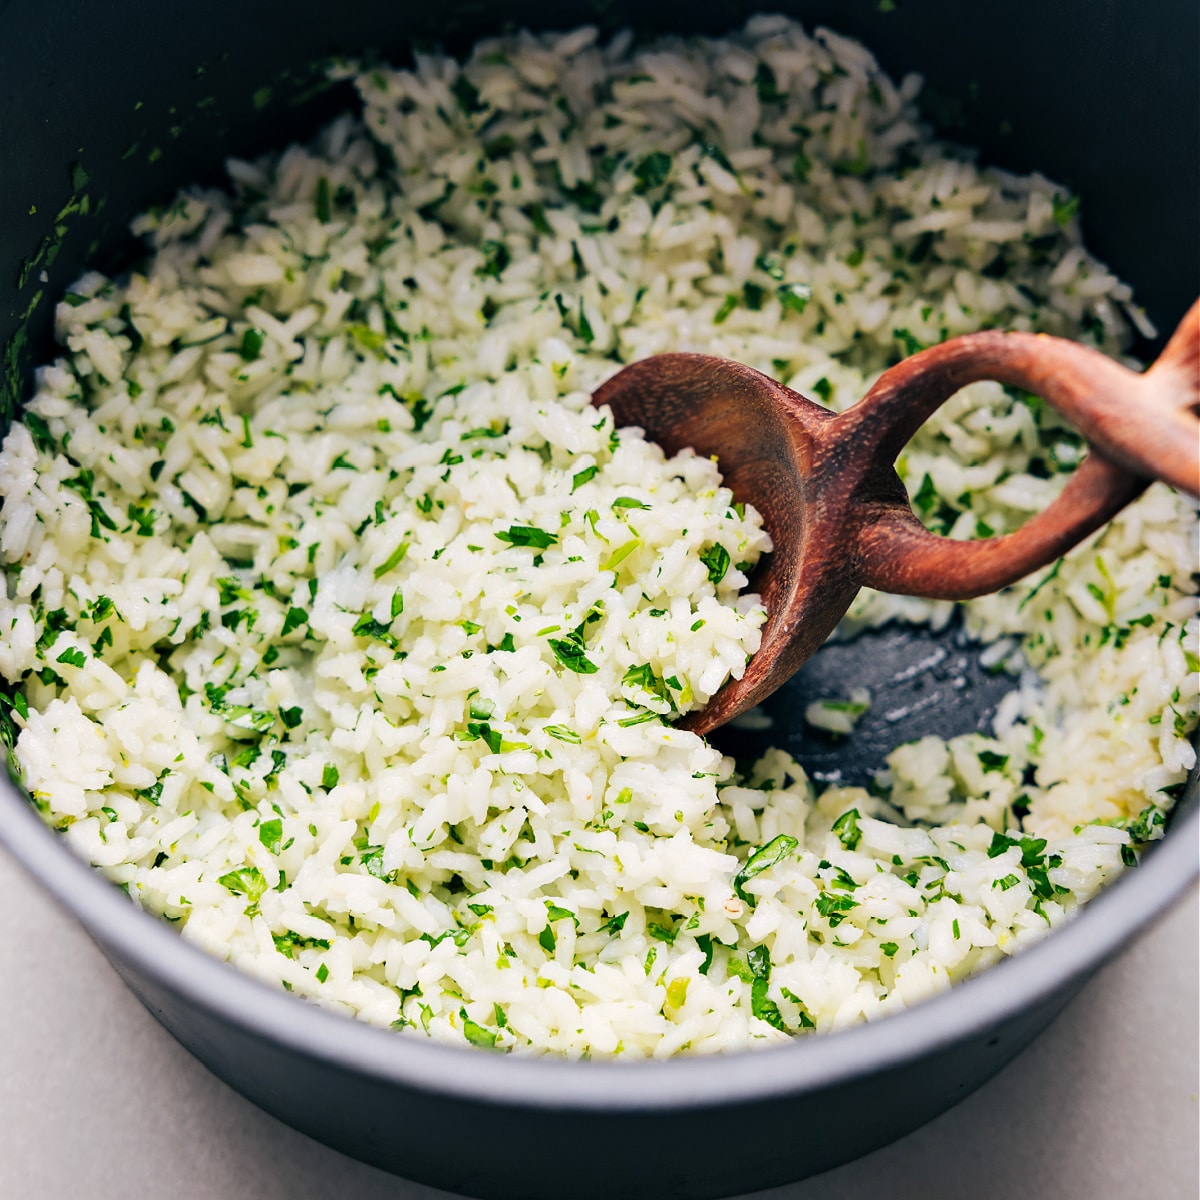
{"x": 1140, "y": 427}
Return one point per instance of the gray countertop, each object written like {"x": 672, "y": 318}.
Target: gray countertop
{"x": 97, "y": 1102}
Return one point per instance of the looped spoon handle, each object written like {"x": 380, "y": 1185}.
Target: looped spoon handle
{"x": 837, "y": 511}
{"x": 1140, "y": 427}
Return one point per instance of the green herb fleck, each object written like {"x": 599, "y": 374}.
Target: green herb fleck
{"x": 794, "y": 296}
{"x": 572, "y": 656}
{"x": 270, "y": 833}
{"x": 467, "y": 95}
{"x": 652, "y": 171}
{"x": 294, "y": 618}
{"x": 1065, "y": 207}
{"x": 726, "y": 308}
{"x": 846, "y": 829}
{"x": 582, "y": 477}
{"x": 765, "y": 857}
{"x": 527, "y": 535}
{"x": 990, "y": 761}
{"x": 252, "y": 344}
{"x": 393, "y": 560}
{"x": 495, "y": 258}
{"x": 477, "y": 1035}
{"x": 324, "y": 201}
{"x": 245, "y": 881}
{"x": 716, "y": 559}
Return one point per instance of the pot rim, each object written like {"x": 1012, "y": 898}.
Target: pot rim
{"x": 808, "y": 1064}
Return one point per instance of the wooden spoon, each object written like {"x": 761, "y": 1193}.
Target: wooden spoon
{"x": 836, "y": 509}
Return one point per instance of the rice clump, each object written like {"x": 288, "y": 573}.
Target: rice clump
{"x": 346, "y": 634}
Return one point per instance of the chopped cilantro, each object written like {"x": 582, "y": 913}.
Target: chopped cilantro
{"x": 990, "y": 761}
{"x": 582, "y": 477}
{"x": 846, "y": 829}
{"x": 1148, "y": 823}
{"x": 1065, "y": 207}
{"x": 725, "y": 308}
{"x": 477, "y": 1035}
{"x": 40, "y": 432}
{"x": 366, "y": 626}
{"x": 288, "y": 942}
{"x": 644, "y": 676}
{"x": 527, "y": 535}
{"x": 467, "y": 95}
{"x": 834, "y": 907}
{"x": 293, "y": 620}
{"x": 393, "y": 560}
{"x": 640, "y": 719}
{"x": 324, "y": 202}
{"x": 765, "y": 857}
{"x": 572, "y": 655}
{"x": 926, "y": 496}
{"x": 794, "y": 296}
{"x": 768, "y": 89}
{"x": 270, "y": 833}
{"x": 759, "y": 961}
{"x": 586, "y": 332}
{"x": 245, "y": 881}
{"x": 620, "y": 554}
{"x": 152, "y": 794}
{"x": 716, "y": 559}
{"x": 252, "y": 344}
{"x": 495, "y": 258}
{"x": 652, "y": 171}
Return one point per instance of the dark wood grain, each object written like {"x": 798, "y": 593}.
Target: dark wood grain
{"x": 834, "y": 506}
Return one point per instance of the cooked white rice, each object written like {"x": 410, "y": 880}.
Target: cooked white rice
{"x": 346, "y": 630}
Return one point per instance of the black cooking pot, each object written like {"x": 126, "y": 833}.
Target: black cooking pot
{"x": 107, "y": 108}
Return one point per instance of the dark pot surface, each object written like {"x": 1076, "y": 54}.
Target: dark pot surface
{"x": 1100, "y": 95}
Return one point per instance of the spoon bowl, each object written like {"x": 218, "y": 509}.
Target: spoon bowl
{"x": 838, "y": 513}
